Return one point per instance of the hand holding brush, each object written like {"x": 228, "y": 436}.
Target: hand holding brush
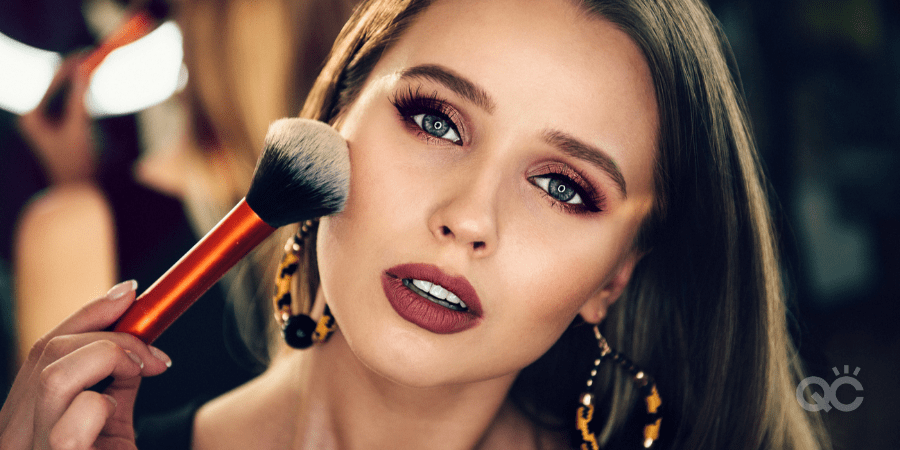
{"x": 140, "y": 22}
{"x": 303, "y": 173}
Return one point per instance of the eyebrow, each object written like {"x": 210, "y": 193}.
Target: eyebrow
{"x": 584, "y": 151}
{"x": 453, "y": 81}
{"x": 566, "y": 143}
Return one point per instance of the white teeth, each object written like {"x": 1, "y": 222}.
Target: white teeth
{"x": 425, "y": 286}
{"x": 438, "y": 291}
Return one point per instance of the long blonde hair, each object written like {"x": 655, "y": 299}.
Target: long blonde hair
{"x": 250, "y": 63}
{"x": 705, "y": 311}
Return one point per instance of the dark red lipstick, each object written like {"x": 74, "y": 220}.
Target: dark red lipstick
{"x": 424, "y": 310}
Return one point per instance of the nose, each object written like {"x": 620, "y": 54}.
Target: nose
{"x": 467, "y": 214}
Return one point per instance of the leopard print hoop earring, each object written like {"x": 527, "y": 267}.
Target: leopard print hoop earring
{"x": 645, "y": 384}
{"x": 299, "y": 329}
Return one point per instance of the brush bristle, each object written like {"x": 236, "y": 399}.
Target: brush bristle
{"x": 303, "y": 173}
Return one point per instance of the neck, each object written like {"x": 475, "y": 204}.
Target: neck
{"x": 346, "y": 405}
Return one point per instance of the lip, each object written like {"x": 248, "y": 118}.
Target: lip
{"x": 427, "y": 314}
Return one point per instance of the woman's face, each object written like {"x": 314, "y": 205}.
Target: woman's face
{"x": 503, "y": 151}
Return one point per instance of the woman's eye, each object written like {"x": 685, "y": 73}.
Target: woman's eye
{"x": 560, "y": 188}
{"x": 437, "y": 126}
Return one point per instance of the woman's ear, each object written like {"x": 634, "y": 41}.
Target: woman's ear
{"x": 594, "y": 310}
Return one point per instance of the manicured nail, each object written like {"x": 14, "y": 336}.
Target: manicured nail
{"x": 135, "y": 358}
{"x": 111, "y": 399}
{"x": 122, "y": 289}
{"x": 161, "y": 356}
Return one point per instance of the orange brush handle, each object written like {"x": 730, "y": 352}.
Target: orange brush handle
{"x": 137, "y": 26}
{"x": 238, "y": 233}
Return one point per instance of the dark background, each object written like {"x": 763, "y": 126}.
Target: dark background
{"x": 822, "y": 80}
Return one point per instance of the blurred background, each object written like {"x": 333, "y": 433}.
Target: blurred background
{"x": 822, "y": 82}
{"x": 143, "y": 157}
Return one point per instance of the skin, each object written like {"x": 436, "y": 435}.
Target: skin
{"x": 48, "y": 406}
{"x": 512, "y": 242}
{"x": 64, "y": 147}
{"x": 48, "y": 226}
{"x": 67, "y": 153}
{"x": 471, "y": 210}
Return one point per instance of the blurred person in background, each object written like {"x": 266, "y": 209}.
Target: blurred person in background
{"x": 249, "y": 63}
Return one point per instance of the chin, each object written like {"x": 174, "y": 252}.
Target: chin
{"x": 408, "y": 357}
{"x": 414, "y": 358}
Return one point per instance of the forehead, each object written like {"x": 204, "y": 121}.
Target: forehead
{"x": 548, "y": 65}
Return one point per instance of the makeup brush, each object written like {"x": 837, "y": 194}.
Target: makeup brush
{"x": 140, "y": 23}
{"x": 303, "y": 173}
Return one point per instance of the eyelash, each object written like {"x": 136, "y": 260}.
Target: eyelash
{"x": 593, "y": 201}
{"x": 410, "y": 103}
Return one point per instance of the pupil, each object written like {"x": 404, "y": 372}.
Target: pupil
{"x": 434, "y": 125}
{"x": 560, "y": 191}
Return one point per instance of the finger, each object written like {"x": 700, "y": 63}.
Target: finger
{"x": 70, "y": 366}
{"x": 63, "y": 74}
{"x": 18, "y": 409}
{"x": 75, "y": 106}
{"x": 81, "y": 77}
{"x": 65, "y": 353}
{"x": 64, "y": 379}
{"x": 52, "y": 106}
{"x": 81, "y": 423}
{"x": 66, "y": 68}
{"x": 125, "y": 390}
{"x": 95, "y": 315}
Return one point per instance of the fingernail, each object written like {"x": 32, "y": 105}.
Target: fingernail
{"x": 111, "y": 399}
{"x": 135, "y": 358}
{"x": 122, "y": 289}
{"x": 161, "y": 356}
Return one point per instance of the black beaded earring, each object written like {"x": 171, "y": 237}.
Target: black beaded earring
{"x": 299, "y": 330}
{"x": 644, "y": 382}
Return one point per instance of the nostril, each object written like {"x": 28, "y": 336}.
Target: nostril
{"x": 446, "y": 232}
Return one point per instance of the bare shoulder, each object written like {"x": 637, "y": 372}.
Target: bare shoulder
{"x": 64, "y": 255}
{"x": 62, "y": 207}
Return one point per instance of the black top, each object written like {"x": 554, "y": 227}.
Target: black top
{"x": 152, "y": 233}
{"x": 171, "y": 431}
{"x": 208, "y": 357}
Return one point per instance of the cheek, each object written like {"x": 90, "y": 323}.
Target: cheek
{"x": 367, "y": 131}
{"x": 542, "y": 283}
{"x": 383, "y": 192}
{"x": 558, "y": 289}
{"x": 378, "y": 215}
